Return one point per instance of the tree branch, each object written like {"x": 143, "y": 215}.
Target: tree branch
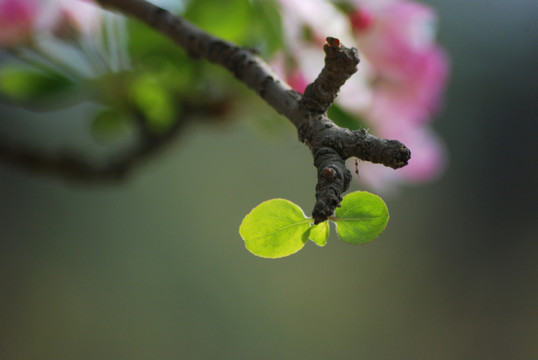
{"x": 330, "y": 145}
{"x": 242, "y": 62}
{"x": 340, "y": 64}
{"x": 75, "y": 167}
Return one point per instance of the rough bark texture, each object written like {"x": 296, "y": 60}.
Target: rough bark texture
{"x": 340, "y": 64}
{"x": 330, "y": 144}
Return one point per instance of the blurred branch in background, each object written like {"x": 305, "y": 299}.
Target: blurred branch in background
{"x": 73, "y": 166}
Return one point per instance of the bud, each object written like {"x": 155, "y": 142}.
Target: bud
{"x": 329, "y": 172}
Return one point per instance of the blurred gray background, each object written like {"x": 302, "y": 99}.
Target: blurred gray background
{"x": 155, "y": 268}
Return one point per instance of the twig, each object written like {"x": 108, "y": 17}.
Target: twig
{"x": 72, "y": 166}
{"x": 330, "y": 144}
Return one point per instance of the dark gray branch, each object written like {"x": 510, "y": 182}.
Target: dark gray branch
{"x": 73, "y": 166}
{"x": 242, "y": 62}
{"x": 330, "y": 144}
{"x": 340, "y": 64}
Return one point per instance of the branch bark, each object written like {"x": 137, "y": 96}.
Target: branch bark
{"x": 330, "y": 145}
{"x": 75, "y": 167}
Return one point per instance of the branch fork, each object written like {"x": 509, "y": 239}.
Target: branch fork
{"x": 330, "y": 144}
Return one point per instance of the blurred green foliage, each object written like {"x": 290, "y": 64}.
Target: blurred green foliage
{"x": 109, "y": 124}
{"x": 162, "y": 78}
{"x": 254, "y": 23}
{"x": 344, "y": 119}
{"x": 29, "y": 85}
{"x": 229, "y": 19}
{"x": 154, "y": 101}
{"x": 165, "y": 76}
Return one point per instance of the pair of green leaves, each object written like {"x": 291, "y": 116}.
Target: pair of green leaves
{"x": 278, "y": 228}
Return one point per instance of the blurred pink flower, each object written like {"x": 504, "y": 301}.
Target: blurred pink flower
{"x": 415, "y": 98}
{"x": 21, "y": 19}
{"x": 17, "y": 19}
{"x": 411, "y": 70}
{"x": 396, "y": 36}
{"x": 297, "y": 80}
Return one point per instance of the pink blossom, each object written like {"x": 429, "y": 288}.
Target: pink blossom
{"x": 16, "y": 21}
{"x": 361, "y": 20}
{"x": 297, "y": 80}
{"x": 21, "y": 19}
{"x": 411, "y": 70}
{"x": 415, "y": 98}
{"x": 397, "y": 34}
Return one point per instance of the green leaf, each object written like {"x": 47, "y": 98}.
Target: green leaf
{"x": 110, "y": 124}
{"x": 319, "y": 233}
{"x": 154, "y": 101}
{"x": 361, "y": 217}
{"x": 275, "y": 228}
{"x": 24, "y": 84}
{"x": 344, "y": 119}
{"x": 265, "y": 27}
{"x": 146, "y": 43}
{"x": 226, "y": 19}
